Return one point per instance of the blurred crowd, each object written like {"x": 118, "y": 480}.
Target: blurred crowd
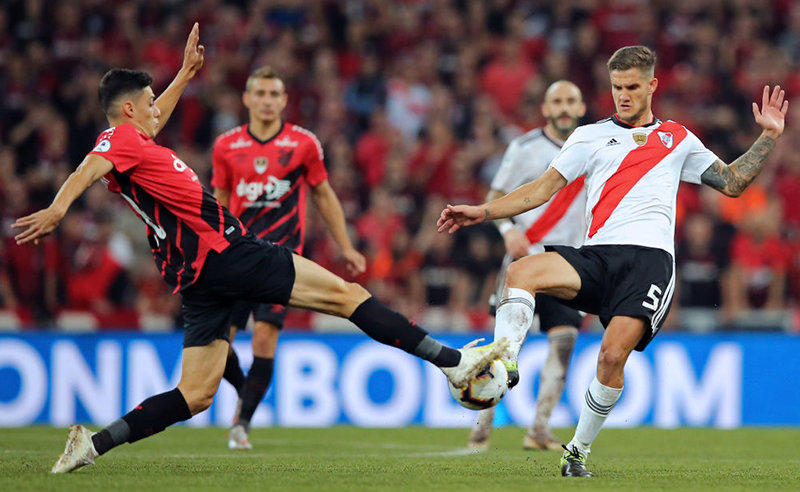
{"x": 414, "y": 102}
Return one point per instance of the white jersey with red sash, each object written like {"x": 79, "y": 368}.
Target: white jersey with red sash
{"x": 632, "y": 178}
{"x": 561, "y": 219}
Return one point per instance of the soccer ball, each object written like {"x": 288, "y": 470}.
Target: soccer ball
{"x": 485, "y": 390}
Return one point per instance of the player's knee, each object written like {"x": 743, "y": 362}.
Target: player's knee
{"x": 611, "y": 357}
{"x": 520, "y": 276}
{"x": 264, "y": 340}
{"x": 349, "y": 295}
{"x": 199, "y": 400}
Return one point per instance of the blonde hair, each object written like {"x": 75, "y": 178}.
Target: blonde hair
{"x": 265, "y": 72}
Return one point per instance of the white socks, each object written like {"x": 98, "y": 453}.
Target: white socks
{"x": 599, "y": 401}
{"x": 513, "y": 320}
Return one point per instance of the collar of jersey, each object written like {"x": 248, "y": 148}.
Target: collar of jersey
{"x": 621, "y": 123}
{"x": 262, "y": 142}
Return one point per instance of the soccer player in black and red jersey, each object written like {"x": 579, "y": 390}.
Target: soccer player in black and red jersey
{"x": 260, "y": 173}
{"x": 206, "y": 254}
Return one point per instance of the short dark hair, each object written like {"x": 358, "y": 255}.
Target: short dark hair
{"x": 628, "y": 57}
{"x": 120, "y": 81}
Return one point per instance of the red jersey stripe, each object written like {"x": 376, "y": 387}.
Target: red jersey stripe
{"x": 555, "y": 211}
{"x": 632, "y": 168}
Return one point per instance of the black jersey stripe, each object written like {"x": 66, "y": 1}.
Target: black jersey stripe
{"x": 284, "y": 231}
{"x": 210, "y": 210}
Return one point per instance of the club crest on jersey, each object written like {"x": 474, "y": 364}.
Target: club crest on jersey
{"x": 666, "y": 139}
{"x": 260, "y": 163}
{"x": 640, "y": 138}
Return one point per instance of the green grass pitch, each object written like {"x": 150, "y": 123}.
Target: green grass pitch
{"x": 409, "y": 459}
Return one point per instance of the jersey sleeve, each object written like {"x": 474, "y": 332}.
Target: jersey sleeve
{"x": 315, "y": 172}
{"x": 220, "y": 174}
{"x": 503, "y": 180}
{"x": 698, "y": 159}
{"x": 120, "y": 145}
{"x": 573, "y": 159}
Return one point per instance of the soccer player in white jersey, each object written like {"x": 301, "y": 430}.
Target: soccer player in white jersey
{"x": 559, "y": 221}
{"x": 633, "y": 164}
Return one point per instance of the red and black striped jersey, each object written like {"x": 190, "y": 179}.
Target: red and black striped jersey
{"x": 266, "y": 180}
{"x": 184, "y": 220}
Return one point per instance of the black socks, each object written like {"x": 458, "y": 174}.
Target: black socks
{"x": 150, "y": 417}
{"x": 233, "y": 372}
{"x": 392, "y": 328}
{"x": 255, "y": 387}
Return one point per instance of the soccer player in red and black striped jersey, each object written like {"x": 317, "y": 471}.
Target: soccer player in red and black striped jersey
{"x": 633, "y": 163}
{"x": 205, "y": 254}
{"x": 261, "y": 170}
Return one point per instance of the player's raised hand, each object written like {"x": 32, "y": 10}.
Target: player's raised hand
{"x": 36, "y": 225}
{"x": 454, "y": 217}
{"x": 770, "y": 117}
{"x": 356, "y": 263}
{"x": 193, "y": 53}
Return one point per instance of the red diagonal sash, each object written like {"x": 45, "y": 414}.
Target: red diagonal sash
{"x": 632, "y": 168}
{"x": 557, "y": 208}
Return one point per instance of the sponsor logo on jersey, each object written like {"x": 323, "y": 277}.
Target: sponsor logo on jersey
{"x": 103, "y": 146}
{"x": 640, "y": 138}
{"x": 611, "y": 142}
{"x": 285, "y": 141}
{"x": 270, "y": 190}
{"x": 240, "y": 143}
{"x": 260, "y": 163}
{"x": 666, "y": 139}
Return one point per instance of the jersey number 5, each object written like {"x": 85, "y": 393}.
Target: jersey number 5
{"x": 653, "y": 298}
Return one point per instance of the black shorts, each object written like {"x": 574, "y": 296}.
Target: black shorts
{"x": 250, "y": 269}
{"x": 273, "y": 314}
{"x": 551, "y": 311}
{"x": 623, "y": 280}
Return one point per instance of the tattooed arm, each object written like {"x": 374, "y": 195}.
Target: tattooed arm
{"x": 734, "y": 178}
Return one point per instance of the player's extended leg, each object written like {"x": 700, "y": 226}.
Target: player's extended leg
{"x": 561, "y": 341}
{"x": 546, "y": 273}
{"x": 320, "y": 290}
{"x": 622, "y": 335}
{"x": 201, "y": 373}
{"x": 259, "y": 377}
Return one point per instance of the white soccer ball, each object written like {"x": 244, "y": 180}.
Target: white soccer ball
{"x": 485, "y": 390}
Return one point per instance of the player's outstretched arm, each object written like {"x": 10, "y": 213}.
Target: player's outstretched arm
{"x": 192, "y": 63}
{"x": 732, "y": 179}
{"x": 524, "y": 198}
{"x": 516, "y": 243}
{"x": 331, "y": 209}
{"x": 43, "y": 222}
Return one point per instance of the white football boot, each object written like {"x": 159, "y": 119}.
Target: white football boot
{"x": 237, "y": 438}
{"x": 79, "y": 451}
{"x": 473, "y": 360}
